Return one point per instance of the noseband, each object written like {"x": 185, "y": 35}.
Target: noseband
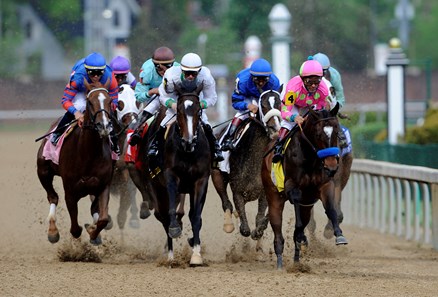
{"x": 93, "y": 116}
{"x": 324, "y": 153}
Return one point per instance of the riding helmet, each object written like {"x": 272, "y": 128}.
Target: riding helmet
{"x": 120, "y": 65}
{"x": 323, "y": 60}
{"x": 260, "y": 67}
{"x": 95, "y": 61}
{"x": 311, "y": 68}
{"x": 163, "y": 55}
{"x": 191, "y": 62}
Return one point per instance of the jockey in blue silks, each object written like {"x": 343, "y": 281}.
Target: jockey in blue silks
{"x": 250, "y": 84}
{"x": 93, "y": 68}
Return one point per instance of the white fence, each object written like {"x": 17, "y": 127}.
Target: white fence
{"x": 393, "y": 198}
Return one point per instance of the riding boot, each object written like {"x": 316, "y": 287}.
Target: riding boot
{"x": 228, "y": 139}
{"x": 67, "y": 118}
{"x": 278, "y": 156}
{"x": 115, "y": 143}
{"x": 156, "y": 142}
{"x": 136, "y": 136}
{"x": 342, "y": 139}
{"x": 214, "y": 145}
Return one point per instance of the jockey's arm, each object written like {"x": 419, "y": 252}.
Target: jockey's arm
{"x": 166, "y": 89}
{"x": 209, "y": 93}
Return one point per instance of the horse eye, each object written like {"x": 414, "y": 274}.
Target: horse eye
{"x": 121, "y": 105}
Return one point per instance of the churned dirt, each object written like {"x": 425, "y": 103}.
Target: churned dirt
{"x": 131, "y": 263}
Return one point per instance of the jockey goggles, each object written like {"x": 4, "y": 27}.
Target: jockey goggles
{"x": 95, "y": 72}
{"x": 260, "y": 79}
{"x": 121, "y": 76}
{"x": 191, "y": 73}
{"x": 167, "y": 65}
{"x": 311, "y": 81}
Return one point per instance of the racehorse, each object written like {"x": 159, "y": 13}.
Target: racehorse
{"x": 185, "y": 169}
{"x": 122, "y": 184}
{"x": 245, "y": 163}
{"x": 85, "y": 166}
{"x": 309, "y": 165}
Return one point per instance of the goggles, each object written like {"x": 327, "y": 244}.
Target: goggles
{"x": 190, "y": 73}
{"x": 160, "y": 66}
{"x": 121, "y": 76}
{"x": 95, "y": 72}
{"x": 311, "y": 81}
{"x": 260, "y": 79}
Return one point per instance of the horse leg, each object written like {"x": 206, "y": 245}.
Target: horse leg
{"x": 240, "y": 208}
{"x": 94, "y": 209}
{"x": 261, "y": 218}
{"x": 302, "y": 218}
{"x": 72, "y": 206}
{"x": 46, "y": 175}
{"x": 94, "y": 230}
{"x": 172, "y": 190}
{"x": 328, "y": 230}
{"x": 275, "y": 214}
{"x": 312, "y": 224}
{"x": 140, "y": 182}
{"x": 131, "y": 193}
{"x": 197, "y": 202}
{"x": 180, "y": 211}
{"x": 220, "y": 181}
{"x": 124, "y": 204}
{"x": 327, "y": 198}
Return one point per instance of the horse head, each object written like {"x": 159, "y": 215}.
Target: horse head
{"x": 320, "y": 132}
{"x": 98, "y": 110}
{"x": 127, "y": 109}
{"x": 269, "y": 111}
{"x": 188, "y": 115}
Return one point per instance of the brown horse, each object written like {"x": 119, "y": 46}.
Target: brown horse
{"x": 245, "y": 163}
{"x": 85, "y": 166}
{"x": 309, "y": 165}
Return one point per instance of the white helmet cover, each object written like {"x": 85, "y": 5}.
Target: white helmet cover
{"x": 191, "y": 62}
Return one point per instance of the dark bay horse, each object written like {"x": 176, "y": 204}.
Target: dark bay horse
{"x": 309, "y": 166}
{"x": 85, "y": 166}
{"x": 185, "y": 169}
{"x": 245, "y": 163}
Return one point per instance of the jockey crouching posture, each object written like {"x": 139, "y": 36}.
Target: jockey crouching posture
{"x": 122, "y": 71}
{"x": 146, "y": 91}
{"x": 250, "y": 84}
{"x": 304, "y": 90}
{"x": 94, "y": 69}
{"x": 189, "y": 75}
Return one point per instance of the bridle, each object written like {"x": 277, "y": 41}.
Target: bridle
{"x": 190, "y": 144}
{"x": 322, "y": 154}
{"x": 95, "y": 125}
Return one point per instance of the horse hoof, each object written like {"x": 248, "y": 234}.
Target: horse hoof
{"x": 196, "y": 260}
{"x": 341, "y": 240}
{"x": 245, "y": 231}
{"x": 53, "y": 238}
{"x": 110, "y": 224}
{"x": 328, "y": 232}
{"x": 256, "y": 235}
{"x": 97, "y": 241}
{"x": 134, "y": 223}
{"x": 228, "y": 228}
{"x": 144, "y": 213}
{"x": 175, "y": 232}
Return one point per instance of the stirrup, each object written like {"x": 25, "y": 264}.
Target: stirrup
{"x": 153, "y": 150}
{"x": 135, "y": 138}
{"x": 217, "y": 156}
{"x": 278, "y": 156}
{"x": 228, "y": 145}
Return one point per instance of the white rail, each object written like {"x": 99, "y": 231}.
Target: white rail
{"x": 393, "y": 198}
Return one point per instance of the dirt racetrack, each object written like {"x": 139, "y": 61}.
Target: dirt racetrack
{"x": 371, "y": 265}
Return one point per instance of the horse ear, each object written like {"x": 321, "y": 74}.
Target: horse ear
{"x": 280, "y": 89}
{"x": 335, "y": 109}
{"x": 199, "y": 88}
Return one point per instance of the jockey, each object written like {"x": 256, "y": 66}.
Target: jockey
{"x": 303, "y": 90}
{"x": 151, "y": 76}
{"x": 122, "y": 71}
{"x": 93, "y": 68}
{"x": 250, "y": 84}
{"x": 189, "y": 73}
{"x": 333, "y": 76}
